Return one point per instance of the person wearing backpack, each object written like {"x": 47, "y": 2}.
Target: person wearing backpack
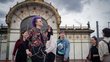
{"x": 63, "y": 48}
{"x": 104, "y": 46}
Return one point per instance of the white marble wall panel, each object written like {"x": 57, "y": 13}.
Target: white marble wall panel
{"x": 77, "y": 51}
{"x": 85, "y": 48}
{"x": 3, "y": 51}
{"x": 71, "y": 55}
{"x": 11, "y": 47}
{"x": 14, "y": 36}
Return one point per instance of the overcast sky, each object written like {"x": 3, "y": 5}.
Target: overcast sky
{"x": 73, "y": 12}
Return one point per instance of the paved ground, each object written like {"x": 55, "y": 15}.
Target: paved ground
{"x": 70, "y": 61}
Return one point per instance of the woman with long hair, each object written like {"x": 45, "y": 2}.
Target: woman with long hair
{"x": 19, "y": 52}
{"x": 93, "y": 53}
{"x": 50, "y": 46}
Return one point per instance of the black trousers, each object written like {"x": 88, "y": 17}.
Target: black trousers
{"x": 37, "y": 59}
{"x": 96, "y": 59}
{"x": 50, "y": 57}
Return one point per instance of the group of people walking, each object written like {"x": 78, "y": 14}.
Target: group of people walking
{"x": 100, "y": 50}
{"x": 41, "y": 47}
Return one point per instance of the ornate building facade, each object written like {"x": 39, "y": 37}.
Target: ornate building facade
{"x": 19, "y": 18}
{"x": 79, "y": 38}
{"x": 79, "y": 42}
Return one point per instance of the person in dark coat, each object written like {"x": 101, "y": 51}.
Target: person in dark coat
{"x": 93, "y": 53}
{"x": 36, "y": 48}
{"x": 19, "y": 52}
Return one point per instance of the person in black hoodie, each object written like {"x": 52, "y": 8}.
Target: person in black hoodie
{"x": 93, "y": 53}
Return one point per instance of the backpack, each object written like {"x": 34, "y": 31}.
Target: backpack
{"x": 108, "y": 44}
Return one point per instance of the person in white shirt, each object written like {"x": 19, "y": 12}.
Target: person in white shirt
{"x": 104, "y": 49}
{"x": 50, "y": 46}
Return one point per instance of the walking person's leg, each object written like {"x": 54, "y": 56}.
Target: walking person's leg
{"x": 59, "y": 58}
{"x": 50, "y": 57}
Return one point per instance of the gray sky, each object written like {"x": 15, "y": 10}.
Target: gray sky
{"x": 73, "y": 12}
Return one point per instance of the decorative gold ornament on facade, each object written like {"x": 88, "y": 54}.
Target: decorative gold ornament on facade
{"x": 36, "y": 0}
{"x": 20, "y": 17}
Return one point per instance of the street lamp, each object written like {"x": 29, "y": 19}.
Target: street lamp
{"x": 108, "y": 24}
{"x": 1, "y": 38}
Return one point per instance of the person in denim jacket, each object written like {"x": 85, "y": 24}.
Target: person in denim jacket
{"x": 63, "y": 48}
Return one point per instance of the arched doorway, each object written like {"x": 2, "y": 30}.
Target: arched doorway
{"x": 26, "y": 24}
{"x": 19, "y": 17}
